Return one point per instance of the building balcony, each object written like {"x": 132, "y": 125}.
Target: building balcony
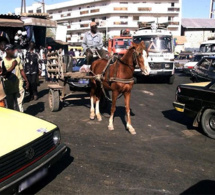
{"x": 117, "y": 10}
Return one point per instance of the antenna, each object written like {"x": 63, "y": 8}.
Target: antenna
{"x": 43, "y": 5}
{"x": 212, "y": 9}
{"x": 23, "y": 7}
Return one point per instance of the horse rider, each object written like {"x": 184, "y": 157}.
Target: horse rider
{"x": 93, "y": 44}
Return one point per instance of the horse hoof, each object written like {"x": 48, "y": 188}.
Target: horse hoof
{"x": 92, "y": 117}
{"x": 99, "y": 119}
{"x": 131, "y": 130}
{"x": 110, "y": 128}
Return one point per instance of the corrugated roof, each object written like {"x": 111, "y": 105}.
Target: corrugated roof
{"x": 198, "y": 23}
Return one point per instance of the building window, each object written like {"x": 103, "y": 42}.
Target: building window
{"x": 39, "y": 11}
{"x": 84, "y": 12}
{"x": 104, "y": 18}
{"x": 60, "y": 11}
{"x": 84, "y": 25}
{"x": 79, "y": 20}
{"x": 70, "y": 9}
{"x": 136, "y": 18}
{"x": 94, "y": 10}
{"x": 172, "y": 4}
{"x": 30, "y": 11}
{"x": 50, "y": 12}
{"x": 120, "y": 23}
{"x": 80, "y": 8}
{"x": 123, "y": 17}
{"x": 120, "y": 9}
{"x": 123, "y": 2}
{"x": 169, "y": 18}
{"x": 173, "y": 9}
{"x": 144, "y": 9}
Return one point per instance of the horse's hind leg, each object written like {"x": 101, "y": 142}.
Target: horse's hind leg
{"x": 113, "y": 109}
{"x": 127, "y": 96}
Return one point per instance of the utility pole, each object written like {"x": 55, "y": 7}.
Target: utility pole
{"x": 23, "y": 7}
{"x": 212, "y": 9}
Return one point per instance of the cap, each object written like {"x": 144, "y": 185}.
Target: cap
{"x": 93, "y": 24}
{"x": 9, "y": 47}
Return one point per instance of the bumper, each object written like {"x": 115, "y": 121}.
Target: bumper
{"x": 162, "y": 72}
{"x": 11, "y": 185}
{"x": 179, "y": 107}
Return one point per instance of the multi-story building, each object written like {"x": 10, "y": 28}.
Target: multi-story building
{"x": 112, "y": 15}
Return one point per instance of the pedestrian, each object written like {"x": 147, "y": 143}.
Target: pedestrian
{"x": 11, "y": 82}
{"x": 20, "y": 73}
{"x": 43, "y": 63}
{"x": 72, "y": 53}
{"x": 32, "y": 70}
{"x": 76, "y": 53}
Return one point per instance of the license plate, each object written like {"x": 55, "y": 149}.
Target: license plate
{"x": 153, "y": 72}
{"x": 32, "y": 180}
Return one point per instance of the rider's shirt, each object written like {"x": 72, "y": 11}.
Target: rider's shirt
{"x": 92, "y": 41}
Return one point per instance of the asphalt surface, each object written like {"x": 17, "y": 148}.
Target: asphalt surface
{"x": 167, "y": 156}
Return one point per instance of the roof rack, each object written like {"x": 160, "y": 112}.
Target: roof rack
{"x": 152, "y": 25}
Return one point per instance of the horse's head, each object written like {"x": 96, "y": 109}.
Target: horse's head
{"x": 139, "y": 49}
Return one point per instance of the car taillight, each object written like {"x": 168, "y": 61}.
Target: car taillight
{"x": 190, "y": 67}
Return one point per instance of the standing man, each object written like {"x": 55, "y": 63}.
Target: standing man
{"x": 20, "y": 73}
{"x": 32, "y": 70}
{"x": 11, "y": 82}
{"x": 92, "y": 42}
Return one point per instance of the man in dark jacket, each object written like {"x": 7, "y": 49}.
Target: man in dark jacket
{"x": 32, "y": 70}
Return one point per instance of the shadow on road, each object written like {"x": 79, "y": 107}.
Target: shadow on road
{"x": 35, "y": 109}
{"x": 202, "y": 187}
{"x": 53, "y": 172}
{"x": 178, "y": 117}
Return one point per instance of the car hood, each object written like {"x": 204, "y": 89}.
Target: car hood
{"x": 202, "y": 84}
{"x": 190, "y": 64}
{"x": 18, "y": 129}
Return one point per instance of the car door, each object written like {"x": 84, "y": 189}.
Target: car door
{"x": 211, "y": 70}
{"x": 202, "y": 69}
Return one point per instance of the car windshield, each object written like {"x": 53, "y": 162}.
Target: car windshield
{"x": 207, "y": 48}
{"x": 122, "y": 43}
{"x": 197, "y": 58}
{"x": 155, "y": 43}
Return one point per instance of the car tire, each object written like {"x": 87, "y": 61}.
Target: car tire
{"x": 208, "y": 122}
{"x": 171, "y": 79}
{"x": 135, "y": 80}
{"x": 54, "y": 100}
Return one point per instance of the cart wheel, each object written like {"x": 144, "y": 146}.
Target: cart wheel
{"x": 54, "y": 100}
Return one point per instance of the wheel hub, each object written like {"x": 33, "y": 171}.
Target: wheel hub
{"x": 212, "y": 122}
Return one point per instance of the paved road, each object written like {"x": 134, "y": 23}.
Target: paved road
{"x": 167, "y": 156}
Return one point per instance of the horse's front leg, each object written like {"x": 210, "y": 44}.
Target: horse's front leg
{"x": 113, "y": 109}
{"x": 127, "y": 96}
{"x": 92, "y": 97}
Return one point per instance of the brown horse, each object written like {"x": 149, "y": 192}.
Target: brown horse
{"x": 118, "y": 79}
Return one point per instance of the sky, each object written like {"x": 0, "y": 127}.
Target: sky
{"x": 190, "y": 8}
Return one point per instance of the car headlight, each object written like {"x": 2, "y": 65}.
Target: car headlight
{"x": 56, "y": 137}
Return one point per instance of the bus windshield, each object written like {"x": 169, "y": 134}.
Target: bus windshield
{"x": 155, "y": 43}
{"x": 123, "y": 43}
{"x": 207, "y": 48}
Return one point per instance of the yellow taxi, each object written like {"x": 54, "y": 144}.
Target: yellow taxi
{"x": 28, "y": 147}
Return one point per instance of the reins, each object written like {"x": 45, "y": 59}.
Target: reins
{"x": 100, "y": 77}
